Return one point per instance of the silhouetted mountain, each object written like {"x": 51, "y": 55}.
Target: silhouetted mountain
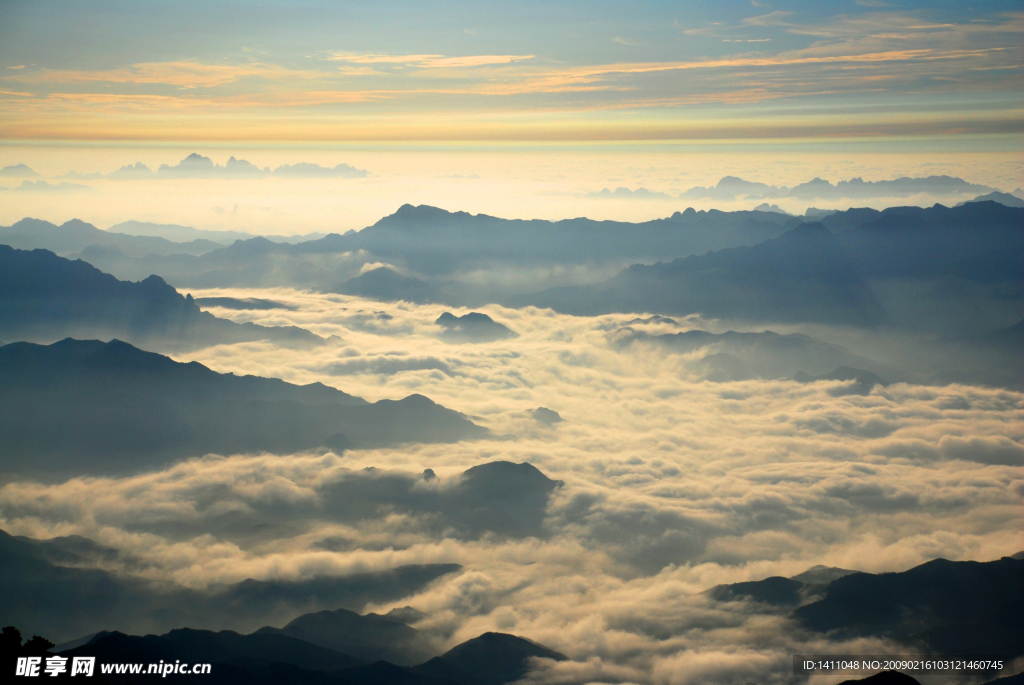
{"x": 493, "y": 499}
{"x": 816, "y": 214}
{"x": 319, "y": 644}
{"x": 68, "y": 598}
{"x": 952, "y": 272}
{"x": 822, "y": 575}
{"x": 432, "y": 240}
{"x": 93, "y": 407}
{"x": 730, "y": 188}
{"x": 43, "y": 297}
{"x": 951, "y": 607}
{"x": 385, "y": 673}
{"x": 506, "y": 497}
{"x": 370, "y": 637}
{"x": 978, "y": 240}
{"x": 863, "y": 381}
{"x": 388, "y": 285}
{"x": 198, "y": 166}
{"x": 435, "y": 242}
{"x": 765, "y": 207}
{"x": 18, "y": 171}
{"x": 187, "y": 644}
{"x": 242, "y": 303}
{"x": 936, "y": 269}
{"x": 1002, "y": 198}
{"x": 546, "y": 416}
{"x": 802, "y": 276}
{"x": 65, "y": 598}
{"x": 994, "y": 359}
{"x": 406, "y": 615}
{"x": 235, "y": 659}
{"x": 491, "y": 659}
{"x": 183, "y": 234}
{"x": 774, "y": 590}
{"x": 733, "y": 356}
{"x": 74, "y": 236}
{"x": 472, "y": 327}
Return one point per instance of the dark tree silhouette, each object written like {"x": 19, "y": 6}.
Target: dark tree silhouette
{"x": 11, "y": 646}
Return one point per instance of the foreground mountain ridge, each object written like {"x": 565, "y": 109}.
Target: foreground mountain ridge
{"x": 43, "y": 296}
{"x": 827, "y": 600}
{"x": 93, "y": 407}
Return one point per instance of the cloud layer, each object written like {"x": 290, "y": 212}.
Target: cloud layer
{"x": 670, "y": 485}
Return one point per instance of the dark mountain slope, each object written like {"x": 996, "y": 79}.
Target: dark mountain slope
{"x": 75, "y": 235}
{"x": 235, "y": 659}
{"x": 388, "y": 285}
{"x": 952, "y": 607}
{"x": 472, "y": 328}
{"x": 733, "y": 356}
{"x": 979, "y": 240}
{"x": 491, "y": 659}
{"x": 435, "y": 242}
{"x": 92, "y": 407}
{"x": 432, "y": 240}
{"x": 65, "y": 598}
{"x": 802, "y": 276}
{"x": 43, "y": 296}
{"x": 370, "y": 637}
{"x": 208, "y": 646}
{"x": 273, "y": 657}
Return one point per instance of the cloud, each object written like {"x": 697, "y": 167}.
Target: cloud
{"x": 387, "y": 366}
{"x": 181, "y": 74}
{"x": 869, "y": 56}
{"x": 670, "y": 485}
{"x": 429, "y": 61}
{"x": 776, "y": 18}
{"x": 988, "y": 450}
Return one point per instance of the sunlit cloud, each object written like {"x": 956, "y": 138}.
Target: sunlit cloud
{"x": 671, "y": 485}
{"x": 381, "y": 95}
{"x": 429, "y": 61}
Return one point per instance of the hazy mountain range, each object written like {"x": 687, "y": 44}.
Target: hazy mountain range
{"x": 952, "y": 271}
{"x": 198, "y": 166}
{"x": 93, "y": 407}
{"x": 45, "y": 297}
{"x": 62, "y": 588}
{"x": 940, "y": 607}
{"x": 955, "y": 275}
{"x": 732, "y": 188}
{"x": 81, "y": 587}
{"x": 182, "y": 234}
{"x": 801, "y": 276}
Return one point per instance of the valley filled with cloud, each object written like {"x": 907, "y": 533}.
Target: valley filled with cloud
{"x": 655, "y": 485}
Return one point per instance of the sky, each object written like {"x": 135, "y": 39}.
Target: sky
{"x": 572, "y": 72}
{"x": 544, "y": 99}
{"x": 672, "y": 484}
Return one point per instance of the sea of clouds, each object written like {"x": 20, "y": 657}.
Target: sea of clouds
{"x": 670, "y": 485}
